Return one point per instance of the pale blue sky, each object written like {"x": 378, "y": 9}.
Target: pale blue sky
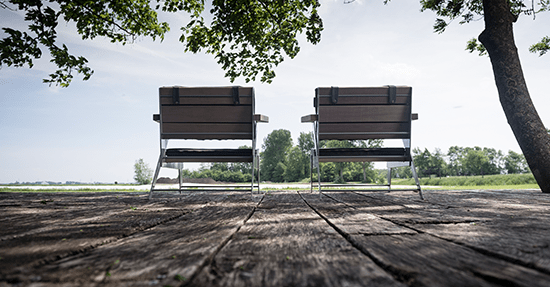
{"x": 95, "y": 130}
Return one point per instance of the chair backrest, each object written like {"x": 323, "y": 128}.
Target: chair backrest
{"x": 206, "y": 112}
{"x": 364, "y": 113}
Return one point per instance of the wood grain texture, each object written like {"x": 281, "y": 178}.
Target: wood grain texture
{"x": 206, "y": 131}
{"x": 206, "y": 91}
{"x": 206, "y": 101}
{"x": 286, "y": 244}
{"x": 206, "y": 114}
{"x": 156, "y": 254}
{"x": 288, "y": 238}
{"x": 351, "y": 131}
{"x": 382, "y": 90}
{"x": 421, "y": 259}
{"x": 364, "y": 100}
{"x": 363, "y": 114}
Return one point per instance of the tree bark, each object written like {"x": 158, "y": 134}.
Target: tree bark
{"x": 532, "y": 137}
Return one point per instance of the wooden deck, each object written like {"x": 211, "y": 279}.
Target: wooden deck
{"x": 283, "y": 238}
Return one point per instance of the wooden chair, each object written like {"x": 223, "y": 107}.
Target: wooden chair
{"x": 206, "y": 113}
{"x": 362, "y": 114}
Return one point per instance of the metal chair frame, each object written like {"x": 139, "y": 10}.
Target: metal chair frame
{"x": 176, "y": 162}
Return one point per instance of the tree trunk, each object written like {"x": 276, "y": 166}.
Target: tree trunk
{"x": 498, "y": 39}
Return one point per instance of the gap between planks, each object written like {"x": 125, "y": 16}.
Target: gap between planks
{"x": 480, "y": 250}
{"x": 210, "y": 257}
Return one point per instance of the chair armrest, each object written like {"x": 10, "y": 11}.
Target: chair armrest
{"x": 310, "y": 118}
{"x": 156, "y": 118}
{"x": 414, "y": 117}
{"x": 261, "y": 118}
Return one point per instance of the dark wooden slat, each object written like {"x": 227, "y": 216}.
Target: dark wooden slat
{"x": 398, "y": 127}
{"x": 208, "y": 159}
{"x": 363, "y": 154}
{"x": 208, "y": 136}
{"x": 206, "y": 91}
{"x": 209, "y": 155}
{"x": 221, "y": 128}
{"x": 373, "y": 100}
{"x": 206, "y": 100}
{"x": 345, "y": 131}
{"x": 347, "y": 136}
{"x": 401, "y": 90}
{"x": 357, "y": 114}
{"x": 362, "y": 158}
{"x": 202, "y": 114}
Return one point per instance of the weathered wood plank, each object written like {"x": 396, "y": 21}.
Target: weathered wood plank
{"x": 143, "y": 255}
{"x": 206, "y": 91}
{"x": 206, "y": 114}
{"x": 430, "y": 261}
{"x": 286, "y": 244}
{"x": 407, "y": 208}
{"x": 362, "y": 100}
{"x": 483, "y": 240}
{"x": 75, "y": 229}
{"x": 510, "y": 224}
{"x": 400, "y": 90}
{"x": 362, "y": 114}
{"x": 200, "y": 128}
{"x": 31, "y": 213}
{"x": 454, "y": 238}
{"x": 210, "y": 100}
{"x": 399, "y": 127}
{"x": 353, "y": 221}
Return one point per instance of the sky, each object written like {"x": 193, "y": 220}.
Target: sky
{"x": 95, "y": 130}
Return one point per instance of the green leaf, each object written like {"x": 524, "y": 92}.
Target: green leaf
{"x": 541, "y": 47}
{"x": 475, "y": 46}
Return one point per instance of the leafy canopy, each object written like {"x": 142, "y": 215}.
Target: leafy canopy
{"x": 467, "y": 11}
{"x": 248, "y": 38}
{"x": 119, "y": 21}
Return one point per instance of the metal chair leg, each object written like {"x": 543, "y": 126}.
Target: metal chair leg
{"x": 415, "y": 175}
{"x": 389, "y": 179}
{"x": 154, "y": 182}
{"x": 180, "y": 179}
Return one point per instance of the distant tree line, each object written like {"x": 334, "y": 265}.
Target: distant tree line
{"x": 282, "y": 161}
{"x": 464, "y": 161}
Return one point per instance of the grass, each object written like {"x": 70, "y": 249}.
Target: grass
{"x": 484, "y": 187}
{"x": 487, "y": 180}
{"x": 76, "y": 184}
{"x": 47, "y": 190}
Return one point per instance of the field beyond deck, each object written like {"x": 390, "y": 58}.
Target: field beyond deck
{"x": 282, "y": 238}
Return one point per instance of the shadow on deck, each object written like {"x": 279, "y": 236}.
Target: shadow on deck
{"x": 282, "y": 238}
